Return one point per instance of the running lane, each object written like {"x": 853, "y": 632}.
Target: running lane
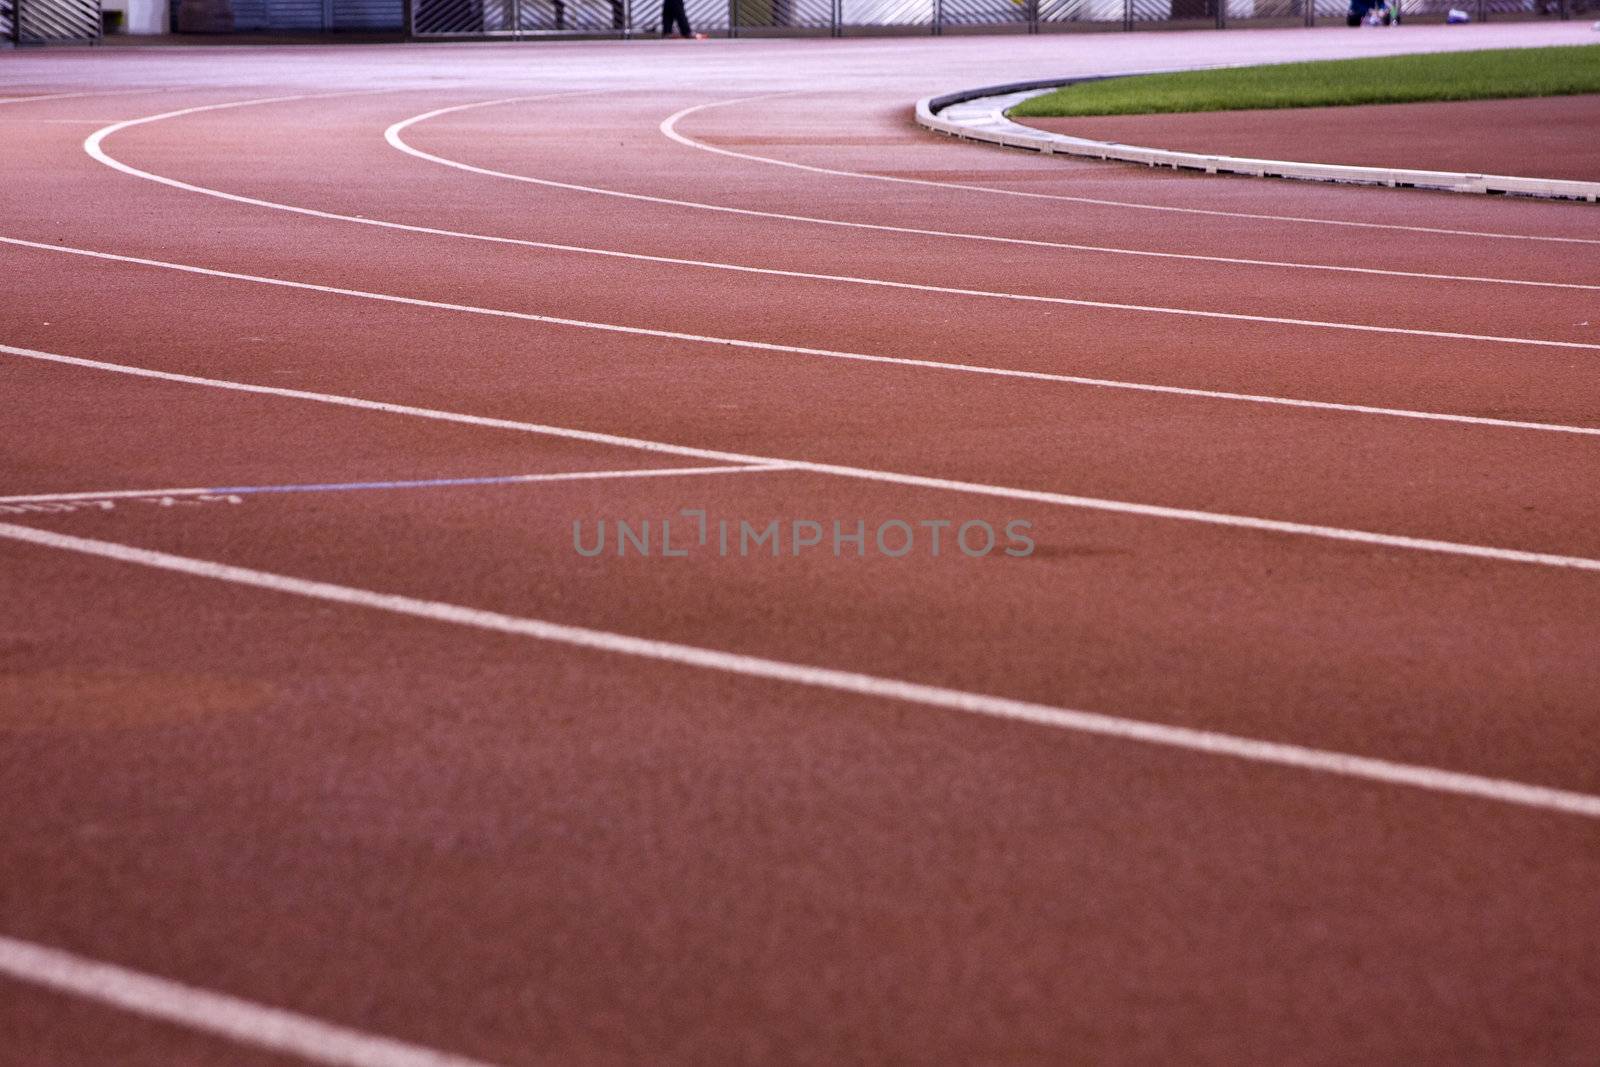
{"x": 313, "y": 702}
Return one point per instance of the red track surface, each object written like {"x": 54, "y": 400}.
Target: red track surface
{"x": 1538, "y": 138}
{"x": 520, "y": 850}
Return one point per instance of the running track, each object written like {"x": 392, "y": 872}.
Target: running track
{"x": 321, "y": 743}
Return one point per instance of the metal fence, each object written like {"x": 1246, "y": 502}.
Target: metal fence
{"x": 757, "y": 18}
{"x": 287, "y": 16}
{"x": 49, "y": 21}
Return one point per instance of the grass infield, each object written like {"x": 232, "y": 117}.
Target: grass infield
{"x": 1488, "y": 75}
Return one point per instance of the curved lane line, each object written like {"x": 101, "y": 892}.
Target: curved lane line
{"x": 915, "y": 481}
{"x": 68, "y": 96}
{"x": 670, "y": 123}
{"x": 226, "y": 1016}
{"x": 826, "y": 353}
{"x": 1277, "y": 753}
{"x": 93, "y": 146}
{"x": 392, "y": 135}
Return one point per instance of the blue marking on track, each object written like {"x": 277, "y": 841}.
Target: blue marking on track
{"x": 336, "y": 487}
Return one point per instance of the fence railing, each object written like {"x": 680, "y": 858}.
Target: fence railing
{"x": 752, "y": 18}
{"x": 49, "y": 21}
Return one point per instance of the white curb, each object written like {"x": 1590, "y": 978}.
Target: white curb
{"x": 979, "y": 115}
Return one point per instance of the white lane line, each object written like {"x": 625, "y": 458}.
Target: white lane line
{"x": 21, "y": 121}
{"x": 1446, "y": 335}
{"x": 903, "y": 361}
{"x": 93, "y": 146}
{"x": 669, "y": 128}
{"x": 418, "y": 483}
{"x": 827, "y": 353}
{"x": 393, "y": 136}
{"x": 62, "y": 96}
{"x": 1036, "y": 496}
{"x": 858, "y": 357}
{"x": 214, "y": 1013}
{"x": 867, "y": 685}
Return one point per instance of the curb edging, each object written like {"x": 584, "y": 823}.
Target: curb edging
{"x": 979, "y": 115}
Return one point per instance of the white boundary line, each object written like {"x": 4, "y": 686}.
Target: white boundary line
{"x": 66, "y": 96}
{"x": 215, "y": 1013}
{"x": 93, "y": 146}
{"x": 420, "y": 483}
{"x": 669, "y": 128}
{"x": 984, "y": 118}
{"x": 826, "y": 353}
{"x": 393, "y": 136}
{"x": 858, "y": 684}
{"x": 1036, "y": 496}
{"x": 17, "y": 120}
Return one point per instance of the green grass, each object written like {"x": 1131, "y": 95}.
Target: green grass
{"x": 1488, "y": 75}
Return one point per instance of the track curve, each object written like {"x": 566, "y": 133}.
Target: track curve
{"x": 371, "y": 742}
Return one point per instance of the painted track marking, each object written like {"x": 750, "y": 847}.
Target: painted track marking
{"x": 93, "y": 146}
{"x": 1205, "y": 741}
{"x": 393, "y": 136}
{"x": 68, "y": 96}
{"x": 215, "y": 1013}
{"x": 1036, "y": 496}
{"x": 420, "y": 483}
{"x": 766, "y": 346}
{"x": 670, "y": 123}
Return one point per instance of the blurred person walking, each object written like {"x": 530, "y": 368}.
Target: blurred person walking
{"x": 672, "y": 12}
